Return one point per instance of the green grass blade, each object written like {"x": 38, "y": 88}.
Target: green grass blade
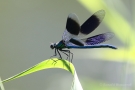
{"x": 46, "y": 64}
{"x": 76, "y": 85}
{"x": 1, "y": 85}
{"x": 51, "y": 63}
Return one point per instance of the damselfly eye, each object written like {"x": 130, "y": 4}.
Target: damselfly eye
{"x": 52, "y": 46}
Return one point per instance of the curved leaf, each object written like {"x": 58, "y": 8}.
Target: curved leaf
{"x": 51, "y": 63}
{"x": 46, "y": 64}
{"x": 1, "y": 85}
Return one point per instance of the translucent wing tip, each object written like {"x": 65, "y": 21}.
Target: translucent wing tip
{"x": 109, "y": 35}
{"x": 100, "y": 14}
{"x": 92, "y": 22}
{"x": 73, "y": 26}
{"x": 103, "y": 11}
{"x": 74, "y": 17}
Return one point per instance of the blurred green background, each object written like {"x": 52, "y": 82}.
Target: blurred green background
{"x": 27, "y": 27}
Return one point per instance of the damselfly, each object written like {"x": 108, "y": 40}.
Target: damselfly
{"x": 73, "y": 31}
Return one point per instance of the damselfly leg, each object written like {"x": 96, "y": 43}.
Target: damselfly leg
{"x": 56, "y": 51}
{"x": 68, "y": 51}
{"x": 65, "y": 54}
{"x": 55, "y": 54}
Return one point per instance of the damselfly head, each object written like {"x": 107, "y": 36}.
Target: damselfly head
{"x": 52, "y": 45}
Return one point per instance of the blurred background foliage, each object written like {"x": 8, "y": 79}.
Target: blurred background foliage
{"x": 27, "y": 27}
